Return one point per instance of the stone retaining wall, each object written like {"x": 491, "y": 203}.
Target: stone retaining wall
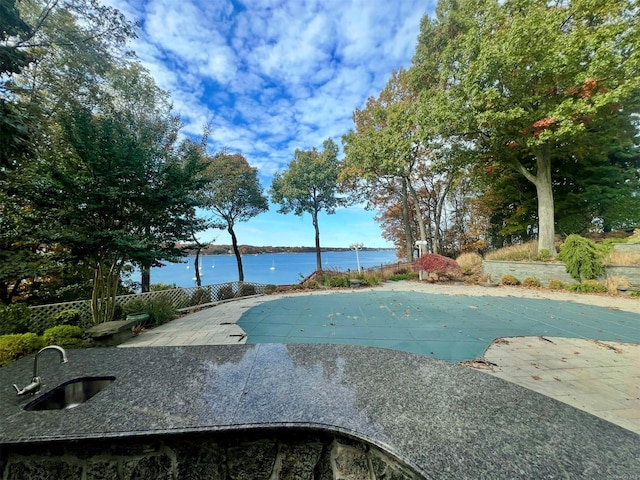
{"x": 282, "y": 455}
{"x": 627, "y": 247}
{"x": 548, "y": 271}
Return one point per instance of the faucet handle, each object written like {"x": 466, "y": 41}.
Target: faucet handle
{"x": 33, "y": 387}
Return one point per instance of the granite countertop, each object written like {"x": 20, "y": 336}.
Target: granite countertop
{"x": 442, "y": 419}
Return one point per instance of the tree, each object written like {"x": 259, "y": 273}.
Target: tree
{"x": 45, "y": 48}
{"x": 233, "y": 193}
{"x": 388, "y": 152}
{"x": 12, "y": 59}
{"x": 14, "y": 118}
{"x": 109, "y": 202}
{"x": 527, "y": 81}
{"x": 310, "y": 185}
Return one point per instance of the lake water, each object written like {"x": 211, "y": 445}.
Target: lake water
{"x": 277, "y": 268}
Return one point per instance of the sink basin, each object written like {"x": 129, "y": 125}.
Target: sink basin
{"x": 70, "y": 394}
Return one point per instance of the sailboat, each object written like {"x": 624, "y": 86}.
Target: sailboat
{"x": 273, "y": 265}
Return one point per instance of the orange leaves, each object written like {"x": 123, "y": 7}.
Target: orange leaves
{"x": 588, "y": 88}
{"x": 542, "y": 124}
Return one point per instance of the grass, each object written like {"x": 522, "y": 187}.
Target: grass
{"x": 621, "y": 258}
{"x": 525, "y": 252}
{"x": 613, "y": 283}
{"x": 470, "y": 263}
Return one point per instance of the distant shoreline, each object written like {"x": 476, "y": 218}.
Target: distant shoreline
{"x": 254, "y": 250}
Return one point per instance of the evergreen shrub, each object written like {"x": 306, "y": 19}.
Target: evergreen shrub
{"x": 64, "y": 336}
{"x": 555, "y": 284}
{"x": 160, "y": 311}
{"x": 68, "y": 317}
{"x": 14, "y": 318}
{"x": 269, "y": 289}
{"x": 508, "y": 279}
{"x": 589, "y": 286}
{"x": 136, "y": 307}
{"x": 18, "y": 345}
{"x": 531, "y": 282}
{"x": 544, "y": 255}
{"x": 582, "y": 258}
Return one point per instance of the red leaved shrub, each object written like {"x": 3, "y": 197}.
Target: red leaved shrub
{"x": 439, "y": 265}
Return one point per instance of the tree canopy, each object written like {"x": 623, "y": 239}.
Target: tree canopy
{"x": 103, "y": 183}
{"x": 310, "y": 185}
{"x": 527, "y": 83}
{"x": 232, "y": 192}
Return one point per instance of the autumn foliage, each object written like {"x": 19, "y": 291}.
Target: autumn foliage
{"x": 438, "y": 264}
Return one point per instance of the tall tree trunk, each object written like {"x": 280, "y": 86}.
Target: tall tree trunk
{"x": 145, "y": 277}
{"x": 423, "y": 232}
{"x": 408, "y": 233}
{"x": 236, "y": 251}
{"x": 317, "y": 229}
{"x": 544, "y": 190}
{"x": 145, "y": 269}
{"x": 196, "y": 265}
{"x": 414, "y": 196}
{"x": 546, "y": 218}
{"x": 441, "y": 198}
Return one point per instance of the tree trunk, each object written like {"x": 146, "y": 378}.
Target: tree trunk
{"x": 546, "y": 218}
{"x": 441, "y": 199}
{"x": 145, "y": 277}
{"x": 236, "y": 251}
{"x": 544, "y": 190}
{"x": 145, "y": 268}
{"x": 414, "y": 196}
{"x": 317, "y": 229}
{"x": 105, "y": 289}
{"x": 408, "y": 234}
{"x": 4, "y": 293}
{"x": 196, "y": 265}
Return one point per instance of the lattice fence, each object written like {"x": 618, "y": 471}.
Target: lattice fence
{"x": 42, "y": 316}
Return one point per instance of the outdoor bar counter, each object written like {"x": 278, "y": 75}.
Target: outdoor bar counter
{"x": 297, "y": 411}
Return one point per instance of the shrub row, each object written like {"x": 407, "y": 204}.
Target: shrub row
{"x": 17, "y": 345}
{"x": 587, "y": 286}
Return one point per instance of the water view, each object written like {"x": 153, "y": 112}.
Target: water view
{"x": 277, "y": 268}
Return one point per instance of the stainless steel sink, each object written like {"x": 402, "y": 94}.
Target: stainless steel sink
{"x": 70, "y": 394}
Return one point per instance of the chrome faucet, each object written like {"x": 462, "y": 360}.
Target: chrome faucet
{"x": 35, "y": 384}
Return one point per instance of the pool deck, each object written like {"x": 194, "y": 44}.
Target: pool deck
{"x": 599, "y": 377}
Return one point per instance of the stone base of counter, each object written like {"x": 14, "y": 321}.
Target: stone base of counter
{"x": 272, "y": 455}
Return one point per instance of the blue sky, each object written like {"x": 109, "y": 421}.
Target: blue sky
{"x": 273, "y": 76}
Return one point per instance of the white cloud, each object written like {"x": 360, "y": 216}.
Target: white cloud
{"x": 273, "y": 75}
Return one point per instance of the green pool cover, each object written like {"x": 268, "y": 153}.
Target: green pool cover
{"x": 453, "y": 328}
